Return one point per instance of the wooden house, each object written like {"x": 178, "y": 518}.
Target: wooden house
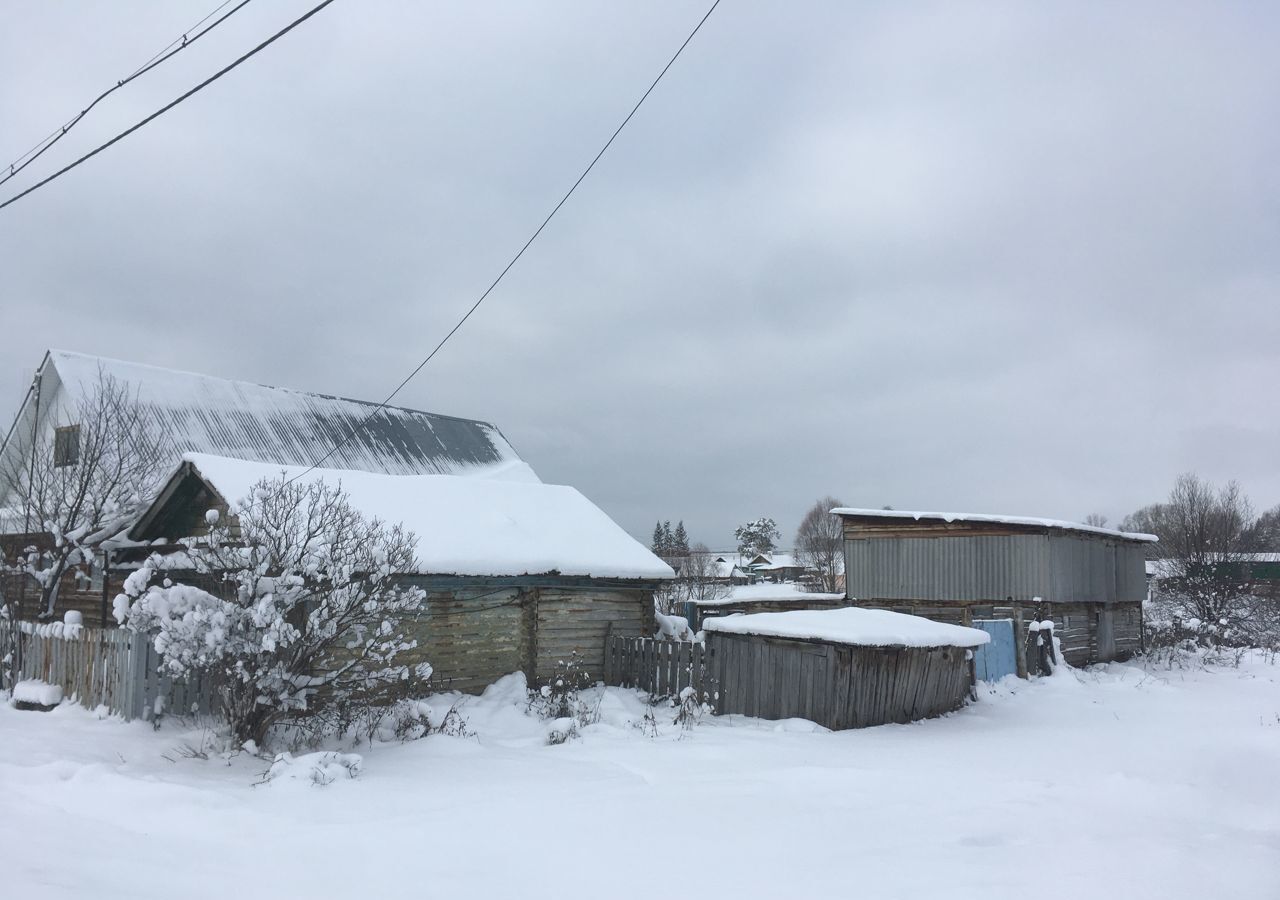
{"x": 518, "y": 574}
{"x": 528, "y": 617}
{"x": 964, "y": 567}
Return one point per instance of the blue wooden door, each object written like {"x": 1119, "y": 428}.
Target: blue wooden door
{"x": 994, "y": 660}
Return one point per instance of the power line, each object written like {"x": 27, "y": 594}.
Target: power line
{"x": 172, "y": 49}
{"x": 355, "y": 430}
{"x": 164, "y": 109}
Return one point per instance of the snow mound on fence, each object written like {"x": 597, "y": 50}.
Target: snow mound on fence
{"x": 321, "y": 768}
{"x": 851, "y": 625}
{"x": 37, "y": 693}
{"x": 674, "y": 628}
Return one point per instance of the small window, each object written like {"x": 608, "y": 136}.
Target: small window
{"x": 66, "y": 445}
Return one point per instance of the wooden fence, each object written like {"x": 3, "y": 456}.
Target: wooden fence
{"x": 663, "y": 668}
{"x": 837, "y": 686}
{"x": 96, "y": 667}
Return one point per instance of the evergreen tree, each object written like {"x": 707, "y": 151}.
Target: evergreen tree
{"x": 757, "y": 537}
{"x": 680, "y": 543}
{"x": 657, "y": 546}
{"x": 668, "y": 539}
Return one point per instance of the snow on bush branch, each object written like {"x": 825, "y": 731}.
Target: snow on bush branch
{"x": 292, "y": 606}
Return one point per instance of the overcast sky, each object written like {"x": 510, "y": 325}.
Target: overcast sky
{"x": 981, "y": 257}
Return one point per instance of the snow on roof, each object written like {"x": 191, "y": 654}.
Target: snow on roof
{"x": 774, "y": 593}
{"x": 851, "y": 625}
{"x": 986, "y": 517}
{"x": 470, "y": 526}
{"x": 204, "y": 414}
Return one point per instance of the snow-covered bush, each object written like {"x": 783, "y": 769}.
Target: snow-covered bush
{"x": 691, "y": 706}
{"x": 294, "y": 610}
{"x": 320, "y": 769}
{"x": 560, "y": 699}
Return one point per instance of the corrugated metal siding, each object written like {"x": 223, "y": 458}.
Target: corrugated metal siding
{"x": 1056, "y": 568}
{"x": 1131, "y": 573}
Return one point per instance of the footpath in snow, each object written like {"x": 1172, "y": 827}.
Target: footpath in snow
{"x": 1112, "y": 781}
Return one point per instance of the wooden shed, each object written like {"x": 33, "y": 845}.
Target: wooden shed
{"x": 965, "y": 567}
{"x": 842, "y": 668}
{"x": 518, "y": 574}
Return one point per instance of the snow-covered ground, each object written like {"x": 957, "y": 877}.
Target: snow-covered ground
{"x": 1109, "y": 782}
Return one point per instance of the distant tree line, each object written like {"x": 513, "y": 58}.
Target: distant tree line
{"x": 670, "y": 544}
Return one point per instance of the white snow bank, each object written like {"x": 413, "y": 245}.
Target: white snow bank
{"x": 324, "y": 767}
{"x": 989, "y": 517}
{"x": 851, "y": 625}
{"x": 37, "y": 692}
{"x": 470, "y": 526}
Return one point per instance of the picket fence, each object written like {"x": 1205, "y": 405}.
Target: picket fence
{"x": 663, "y": 668}
{"x": 112, "y": 668}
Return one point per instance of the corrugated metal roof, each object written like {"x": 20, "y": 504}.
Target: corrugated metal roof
{"x": 204, "y": 414}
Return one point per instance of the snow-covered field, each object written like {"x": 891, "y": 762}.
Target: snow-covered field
{"x": 1109, "y": 782}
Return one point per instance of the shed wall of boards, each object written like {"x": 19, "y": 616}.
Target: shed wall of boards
{"x": 836, "y": 685}
{"x": 474, "y": 631}
{"x": 1080, "y": 627}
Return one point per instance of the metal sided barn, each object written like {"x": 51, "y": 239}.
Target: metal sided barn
{"x": 967, "y": 568}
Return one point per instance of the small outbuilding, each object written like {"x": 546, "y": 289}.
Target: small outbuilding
{"x": 969, "y": 567}
{"x": 842, "y": 668}
{"x": 518, "y": 574}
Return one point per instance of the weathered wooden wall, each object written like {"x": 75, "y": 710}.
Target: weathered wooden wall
{"x": 471, "y": 636}
{"x": 476, "y": 630}
{"x": 1076, "y": 625}
{"x": 76, "y": 592}
{"x": 570, "y": 620}
{"x": 836, "y": 685}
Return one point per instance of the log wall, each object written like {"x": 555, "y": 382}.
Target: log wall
{"x": 474, "y": 631}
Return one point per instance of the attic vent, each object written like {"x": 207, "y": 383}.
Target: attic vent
{"x": 66, "y": 445}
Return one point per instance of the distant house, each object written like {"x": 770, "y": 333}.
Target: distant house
{"x": 964, "y": 567}
{"x": 556, "y": 572}
{"x": 730, "y": 568}
{"x": 778, "y": 566}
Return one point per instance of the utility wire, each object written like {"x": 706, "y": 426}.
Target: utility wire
{"x": 381, "y": 406}
{"x": 175, "y": 47}
{"x": 164, "y": 109}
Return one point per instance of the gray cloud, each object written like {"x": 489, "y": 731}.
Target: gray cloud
{"x": 1000, "y": 257}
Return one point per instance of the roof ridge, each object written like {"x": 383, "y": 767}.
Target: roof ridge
{"x": 54, "y": 353}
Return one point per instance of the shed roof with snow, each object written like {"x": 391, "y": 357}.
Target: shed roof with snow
{"x": 851, "y": 625}
{"x": 466, "y": 526}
